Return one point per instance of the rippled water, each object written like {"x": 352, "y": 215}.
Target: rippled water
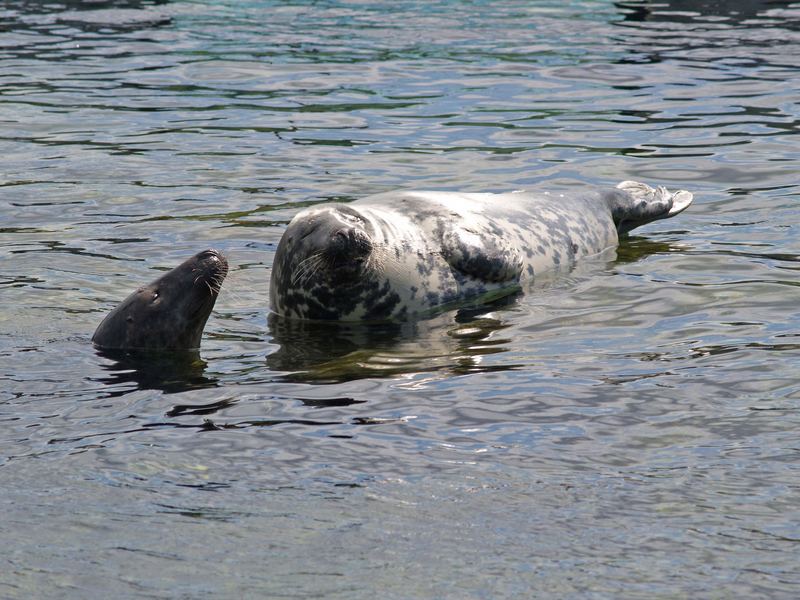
{"x": 626, "y": 431}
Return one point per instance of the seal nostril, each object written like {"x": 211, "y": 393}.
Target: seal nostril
{"x": 211, "y": 254}
{"x": 214, "y": 260}
{"x": 341, "y": 242}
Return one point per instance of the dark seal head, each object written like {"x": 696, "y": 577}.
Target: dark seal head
{"x": 171, "y": 312}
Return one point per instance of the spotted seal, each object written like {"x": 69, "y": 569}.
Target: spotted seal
{"x": 402, "y": 254}
{"x": 169, "y": 313}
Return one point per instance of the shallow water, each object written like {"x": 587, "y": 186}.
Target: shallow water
{"x": 624, "y": 431}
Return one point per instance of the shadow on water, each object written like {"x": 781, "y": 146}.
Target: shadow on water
{"x": 452, "y": 342}
{"x": 171, "y": 372}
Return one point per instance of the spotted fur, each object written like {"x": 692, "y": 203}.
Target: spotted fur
{"x": 405, "y": 254}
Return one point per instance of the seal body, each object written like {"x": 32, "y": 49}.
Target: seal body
{"x": 404, "y": 254}
{"x": 169, "y": 313}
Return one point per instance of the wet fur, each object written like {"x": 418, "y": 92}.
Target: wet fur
{"x": 169, "y": 313}
{"x": 433, "y": 249}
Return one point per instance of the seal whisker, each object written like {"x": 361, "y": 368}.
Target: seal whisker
{"x": 215, "y": 284}
{"x": 217, "y": 281}
{"x": 307, "y": 268}
{"x": 378, "y": 260}
{"x": 303, "y": 266}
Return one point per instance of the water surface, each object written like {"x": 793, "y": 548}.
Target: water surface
{"x": 624, "y": 431}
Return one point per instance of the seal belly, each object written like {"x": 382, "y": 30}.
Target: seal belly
{"x": 560, "y": 231}
{"x": 519, "y": 234}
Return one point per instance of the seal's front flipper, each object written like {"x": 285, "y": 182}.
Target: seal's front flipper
{"x": 481, "y": 256}
{"x": 633, "y": 204}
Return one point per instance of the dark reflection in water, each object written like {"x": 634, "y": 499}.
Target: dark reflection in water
{"x": 687, "y": 11}
{"x": 708, "y": 32}
{"x": 332, "y": 352}
{"x": 635, "y": 248}
{"x": 214, "y": 407}
{"x": 105, "y": 17}
{"x": 48, "y": 6}
{"x": 171, "y": 372}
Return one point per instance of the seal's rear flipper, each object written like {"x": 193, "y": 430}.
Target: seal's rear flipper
{"x": 640, "y": 204}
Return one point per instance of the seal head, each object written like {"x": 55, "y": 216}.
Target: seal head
{"x": 326, "y": 264}
{"x": 169, "y": 313}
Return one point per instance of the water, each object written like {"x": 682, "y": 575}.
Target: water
{"x": 625, "y": 431}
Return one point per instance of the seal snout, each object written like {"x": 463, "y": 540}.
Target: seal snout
{"x": 211, "y": 254}
{"x": 349, "y": 244}
{"x": 209, "y": 269}
{"x": 214, "y": 262}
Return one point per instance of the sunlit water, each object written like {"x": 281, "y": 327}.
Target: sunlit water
{"x": 628, "y": 430}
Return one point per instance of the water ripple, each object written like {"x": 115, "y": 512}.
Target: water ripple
{"x": 626, "y": 430}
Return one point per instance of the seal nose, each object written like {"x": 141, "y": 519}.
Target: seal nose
{"x": 214, "y": 261}
{"x": 211, "y": 254}
{"x": 350, "y": 243}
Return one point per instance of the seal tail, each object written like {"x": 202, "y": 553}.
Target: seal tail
{"x": 639, "y": 204}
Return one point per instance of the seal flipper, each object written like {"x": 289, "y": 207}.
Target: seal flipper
{"x": 633, "y": 204}
{"x": 481, "y": 256}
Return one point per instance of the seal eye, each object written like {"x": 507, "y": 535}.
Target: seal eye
{"x": 155, "y": 296}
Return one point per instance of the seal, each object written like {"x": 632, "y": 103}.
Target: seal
{"x": 169, "y": 313}
{"x": 405, "y": 254}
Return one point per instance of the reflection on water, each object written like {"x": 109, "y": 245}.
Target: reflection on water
{"x": 95, "y": 16}
{"x": 635, "y": 248}
{"x": 738, "y": 12}
{"x": 455, "y": 342}
{"x": 325, "y": 352}
{"x": 171, "y": 372}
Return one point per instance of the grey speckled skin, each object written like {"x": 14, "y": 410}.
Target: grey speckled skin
{"x": 171, "y": 312}
{"x": 403, "y": 254}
